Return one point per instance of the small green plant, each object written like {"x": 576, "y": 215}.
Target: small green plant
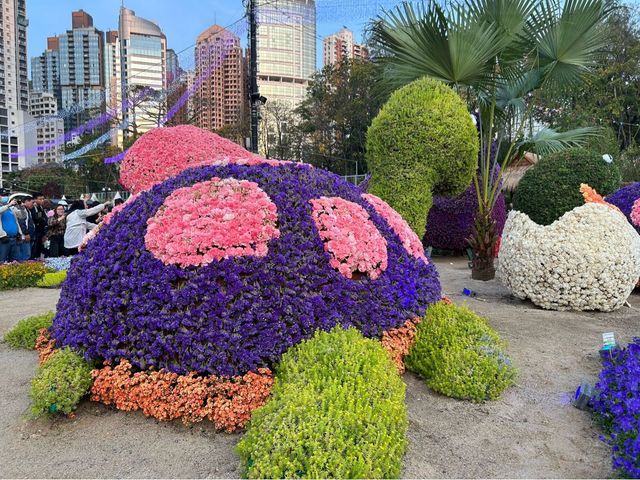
{"x": 460, "y": 355}
{"x": 24, "y": 334}
{"x": 60, "y": 383}
{"x": 337, "y": 410}
{"x": 53, "y": 279}
{"x": 21, "y": 275}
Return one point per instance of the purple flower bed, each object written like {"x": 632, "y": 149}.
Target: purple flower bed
{"x": 624, "y": 198}
{"x": 450, "y": 220}
{"x": 618, "y": 406}
{"x": 237, "y": 314}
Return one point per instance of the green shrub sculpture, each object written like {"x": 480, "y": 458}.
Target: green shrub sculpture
{"x": 337, "y": 410}
{"x": 460, "y": 355}
{"x": 552, "y": 187}
{"x": 422, "y": 142}
{"x": 26, "y": 331}
{"x": 60, "y": 383}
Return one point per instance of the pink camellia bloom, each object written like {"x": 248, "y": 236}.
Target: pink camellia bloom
{"x": 212, "y": 220}
{"x": 635, "y": 213}
{"x": 164, "y": 152}
{"x": 350, "y": 237}
{"x": 409, "y": 239}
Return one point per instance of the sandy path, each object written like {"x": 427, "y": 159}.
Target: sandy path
{"x": 530, "y": 432}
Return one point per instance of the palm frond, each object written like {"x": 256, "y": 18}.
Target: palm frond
{"x": 452, "y": 47}
{"x": 549, "y": 140}
{"x": 570, "y": 38}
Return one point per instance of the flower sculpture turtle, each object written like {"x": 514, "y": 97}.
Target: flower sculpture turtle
{"x": 588, "y": 259}
{"x": 222, "y": 266}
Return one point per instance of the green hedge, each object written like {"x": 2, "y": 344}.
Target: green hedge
{"x": 337, "y": 410}
{"x": 53, "y": 279}
{"x": 422, "y": 142}
{"x": 460, "y": 355}
{"x": 552, "y": 187}
{"x": 60, "y": 383}
{"x": 25, "y": 333}
{"x": 21, "y": 275}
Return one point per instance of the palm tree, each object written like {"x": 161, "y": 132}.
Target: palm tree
{"x": 496, "y": 54}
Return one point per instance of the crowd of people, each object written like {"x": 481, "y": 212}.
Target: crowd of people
{"x": 33, "y": 227}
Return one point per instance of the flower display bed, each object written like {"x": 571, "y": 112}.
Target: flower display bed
{"x": 589, "y": 259}
{"x": 618, "y": 407}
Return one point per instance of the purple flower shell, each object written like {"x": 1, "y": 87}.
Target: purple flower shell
{"x": 450, "y": 220}
{"x": 237, "y": 314}
{"x": 624, "y": 198}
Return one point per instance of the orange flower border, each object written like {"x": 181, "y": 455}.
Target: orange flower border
{"x": 226, "y": 401}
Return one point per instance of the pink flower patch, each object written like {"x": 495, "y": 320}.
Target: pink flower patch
{"x": 162, "y": 153}
{"x": 349, "y": 235}
{"x": 409, "y": 239}
{"x": 211, "y": 220}
{"x": 635, "y": 213}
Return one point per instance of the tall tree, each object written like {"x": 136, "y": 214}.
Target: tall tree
{"x": 341, "y": 102}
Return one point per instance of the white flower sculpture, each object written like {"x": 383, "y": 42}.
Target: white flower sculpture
{"x": 588, "y": 259}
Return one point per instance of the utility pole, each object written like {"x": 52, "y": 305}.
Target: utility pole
{"x": 254, "y": 95}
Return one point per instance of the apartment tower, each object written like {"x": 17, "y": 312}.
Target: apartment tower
{"x": 82, "y": 82}
{"x": 221, "y": 97}
{"x": 340, "y": 46}
{"x": 43, "y": 106}
{"x": 17, "y": 130}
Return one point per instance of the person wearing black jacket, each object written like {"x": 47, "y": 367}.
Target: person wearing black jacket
{"x": 40, "y": 220}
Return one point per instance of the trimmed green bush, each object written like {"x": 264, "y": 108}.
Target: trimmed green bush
{"x": 60, "y": 383}
{"x": 460, "y": 355}
{"x": 337, "y": 410}
{"x": 552, "y": 187}
{"x": 21, "y": 275}
{"x": 25, "y": 333}
{"x": 53, "y": 279}
{"x": 422, "y": 142}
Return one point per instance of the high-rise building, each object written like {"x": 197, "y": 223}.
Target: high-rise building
{"x": 15, "y": 136}
{"x": 112, "y": 82}
{"x": 138, "y": 65}
{"x": 340, "y": 46}
{"x": 286, "y": 49}
{"x": 81, "y": 51}
{"x": 45, "y": 70}
{"x": 221, "y": 97}
{"x": 43, "y": 106}
{"x": 173, "y": 67}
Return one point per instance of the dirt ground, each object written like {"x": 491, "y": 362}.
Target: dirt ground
{"x": 532, "y": 431}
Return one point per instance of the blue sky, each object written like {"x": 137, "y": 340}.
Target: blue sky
{"x": 182, "y": 20}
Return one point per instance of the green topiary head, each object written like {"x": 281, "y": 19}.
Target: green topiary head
{"x": 552, "y": 187}
{"x": 422, "y": 142}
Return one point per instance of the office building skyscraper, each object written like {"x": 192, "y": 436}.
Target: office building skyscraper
{"x": 140, "y": 50}
{"x": 221, "y": 97}
{"x": 340, "y": 46}
{"x": 286, "y": 49}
